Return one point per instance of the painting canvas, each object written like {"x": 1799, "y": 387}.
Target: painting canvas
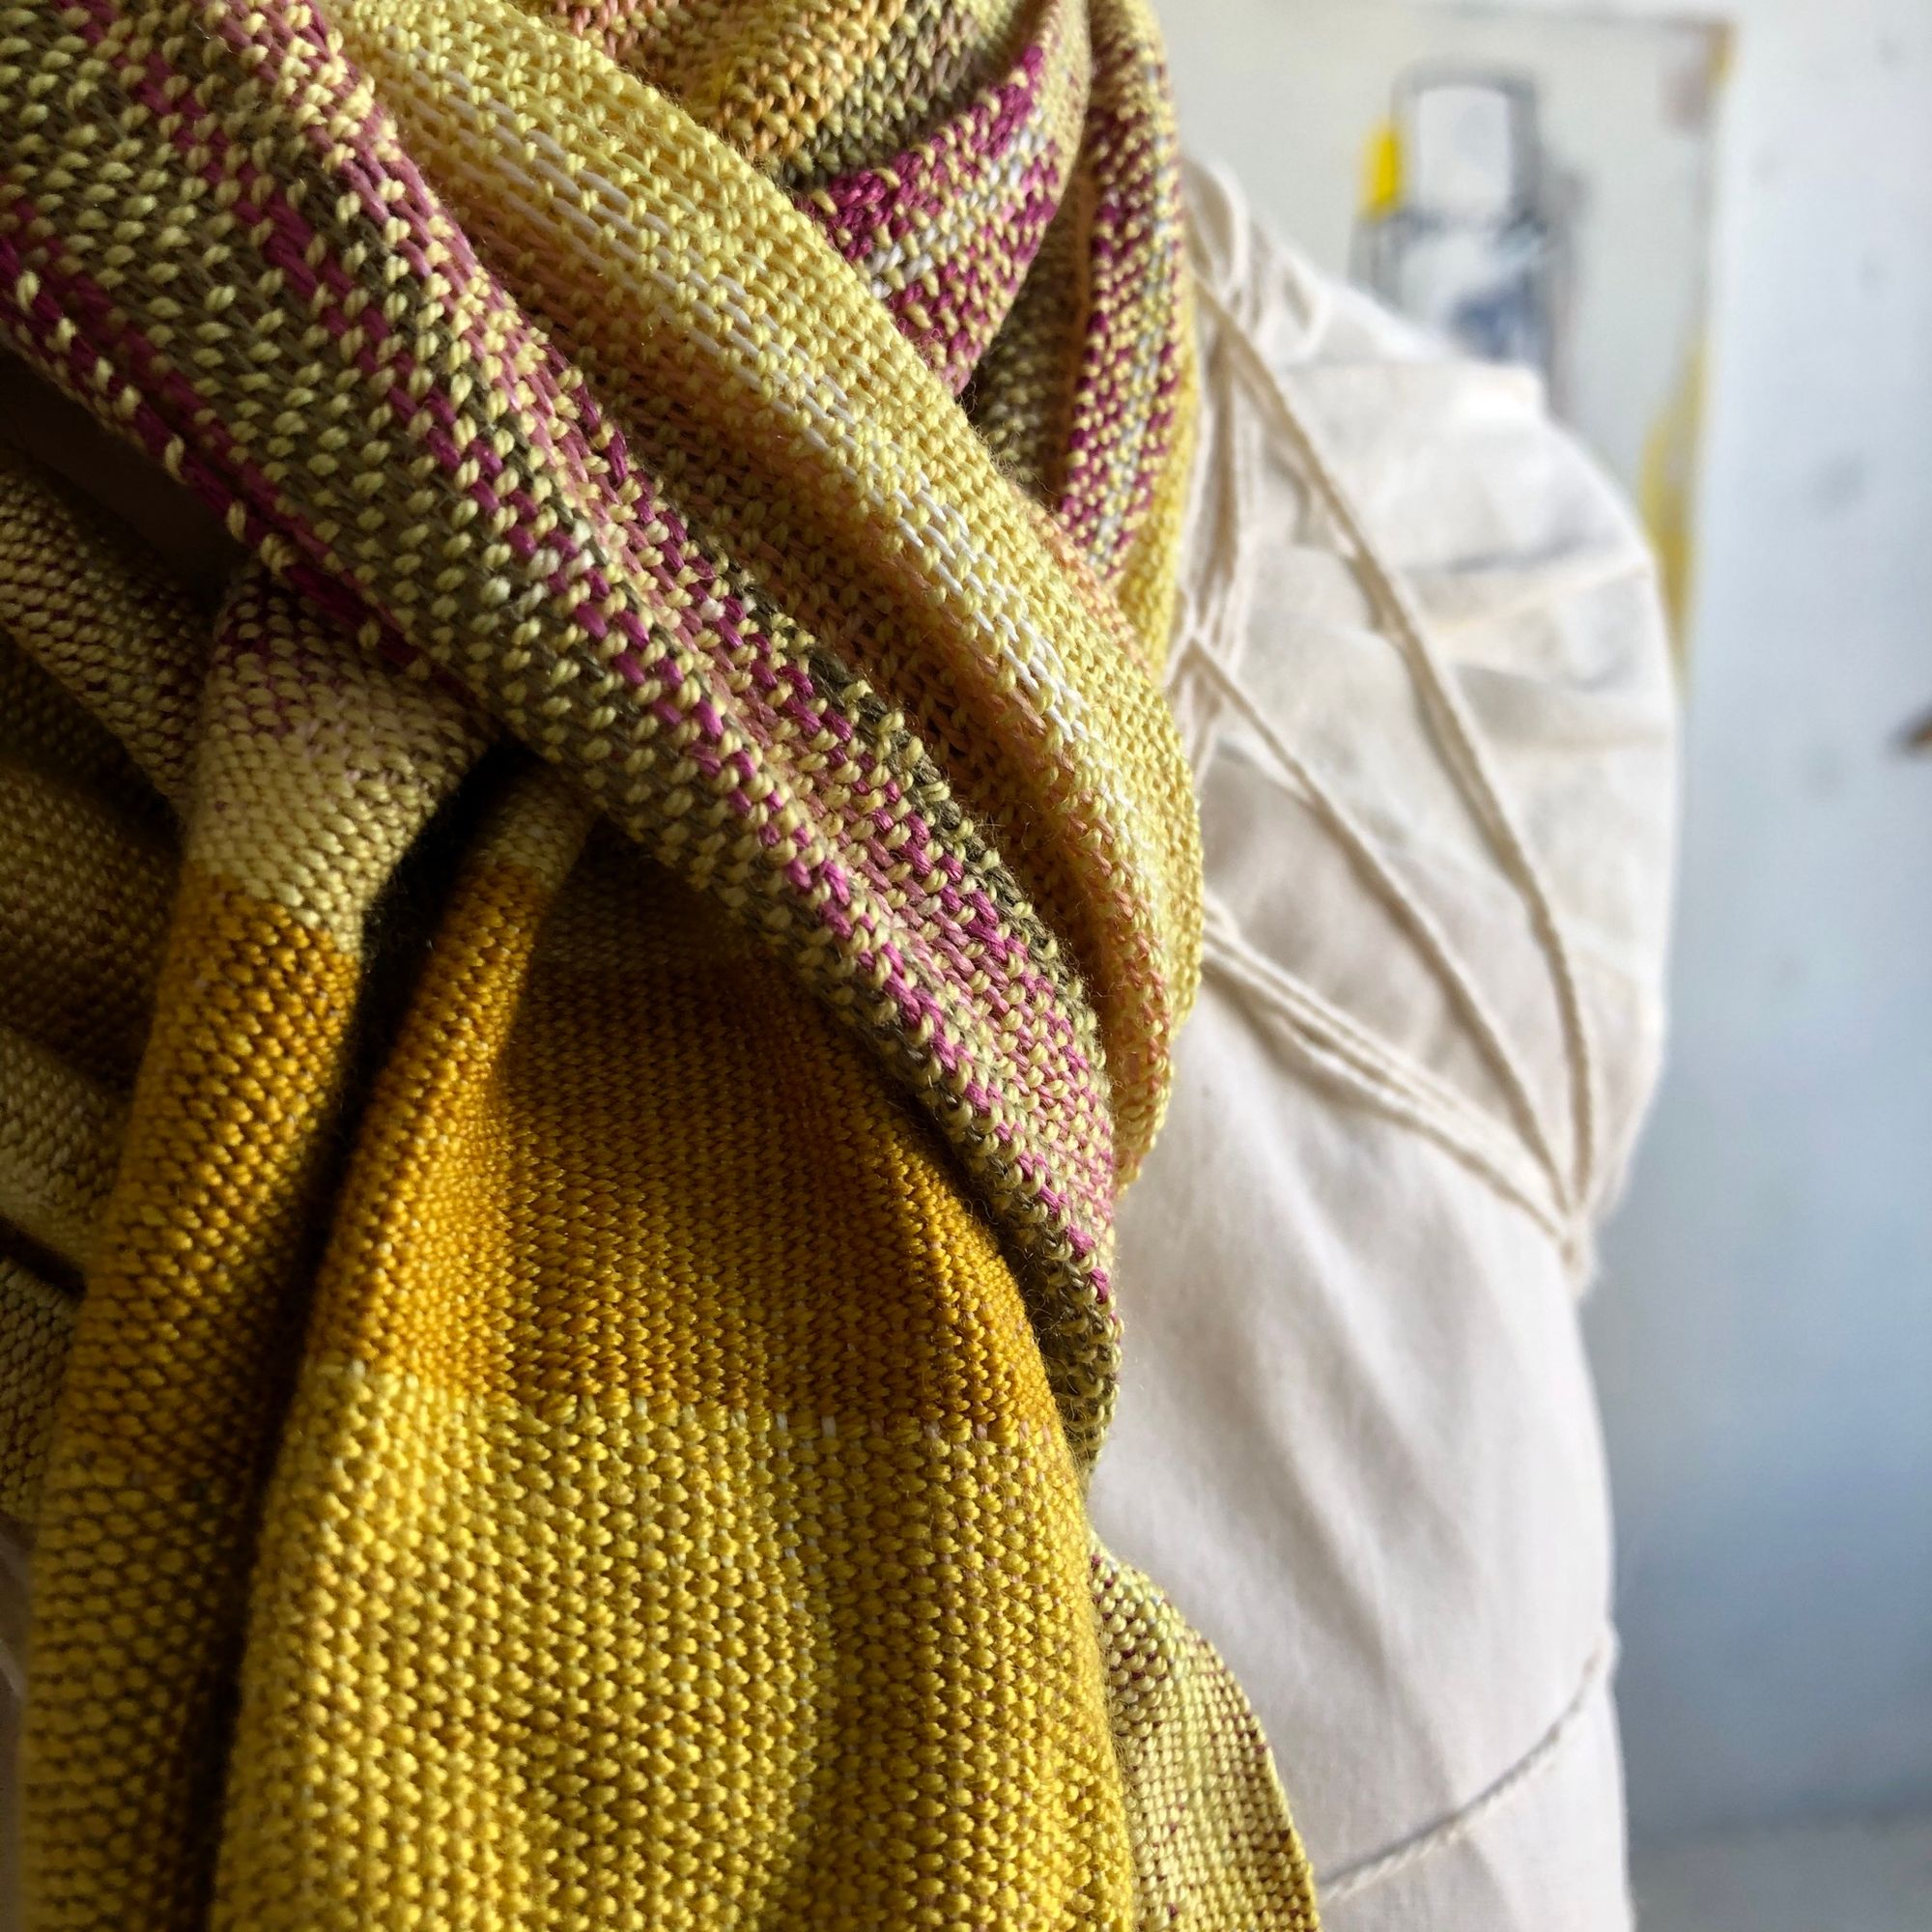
{"x": 1536, "y": 185}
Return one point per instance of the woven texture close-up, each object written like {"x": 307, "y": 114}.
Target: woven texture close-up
{"x": 586, "y": 961}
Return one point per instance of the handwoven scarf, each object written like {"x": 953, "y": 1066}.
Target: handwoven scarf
{"x": 569, "y": 1049}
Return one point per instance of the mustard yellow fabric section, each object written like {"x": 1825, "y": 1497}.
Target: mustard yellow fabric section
{"x": 180, "y": 1346}
{"x": 671, "y": 1525}
{"x": 194, "y": 1207}
{"x": 36, "y": 1326}
{"x": 672, "y": 1440}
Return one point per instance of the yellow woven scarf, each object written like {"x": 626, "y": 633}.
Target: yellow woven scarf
{"x": 568, "y": 1047}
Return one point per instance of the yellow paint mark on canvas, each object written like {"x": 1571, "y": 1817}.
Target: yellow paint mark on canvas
{"x": 1381, "y": 173}
{"x": 1724, "y": 54}
{"x": 1666, "y": 494}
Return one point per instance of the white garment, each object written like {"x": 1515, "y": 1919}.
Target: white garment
{"x": 1424, "y": 679}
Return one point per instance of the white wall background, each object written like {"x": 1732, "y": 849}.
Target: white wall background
{"x": 1763, "y": 1328}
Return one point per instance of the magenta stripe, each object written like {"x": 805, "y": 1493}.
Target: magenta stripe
{"x": 89, "y": 351}
{"x": 875, "y": 202}
{"x": 574, "y": 445}
{"x": 665, "y": 644}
